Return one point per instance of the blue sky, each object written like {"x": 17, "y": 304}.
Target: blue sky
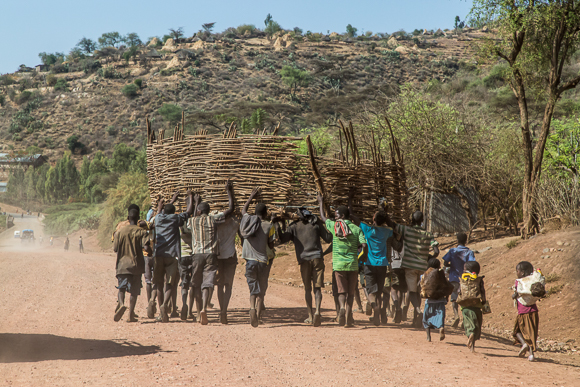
{"x": 34, "y": 26}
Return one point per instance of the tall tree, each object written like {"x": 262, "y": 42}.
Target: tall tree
{"x": 537, "y": 39}
{"x": 87, "y": 45}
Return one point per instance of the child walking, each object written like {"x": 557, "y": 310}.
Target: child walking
{"x": 527, "y": 321}
{"x": 436, "y": 288}
{"x": 471, "y": 300}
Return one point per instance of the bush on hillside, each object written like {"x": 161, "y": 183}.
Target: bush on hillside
{"x": 23, "y": 97}
{"x": 130, "y": 90}
{"x": 6, "y": 80}
{"x": 170, "y": 112}
{"x": 245, "y": 27}
{"x": 74, "y": 143}
{"x": 51, "y": 79}
{"x": 61, "y": 85}
{"x": 69, "y": 218}
{"x": 138, "y": 82}
{"x": 272, "y": 28}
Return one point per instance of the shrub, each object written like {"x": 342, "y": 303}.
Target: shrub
{"x": 89, "y": 65}
{"x": 511, "y": 244}
{"x": 111, "y": 131}
{"x": 74, "y": 143}
{"x": 61, "y": 84}
{"x": 245, "y": 27}
{"x": 138, "y": 82}
{"x": 496, "y": 76}
{"x": 6, "y": 80}
{"x": 130, "y": 90}
{"x": 109, "y": 72}
{"x": 272, "y": 28}
{"x": 170, "y": 112}
{"x": 351, "y": 31}
{"x": 2, "y": 99}
{"x": 51, "y": 79}
{"x": 23, "y": 97}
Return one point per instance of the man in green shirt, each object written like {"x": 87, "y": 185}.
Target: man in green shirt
{"x": 346, "y": 239}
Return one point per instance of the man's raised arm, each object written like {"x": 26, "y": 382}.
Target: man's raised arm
{"x": 255, "y": 191}
{"x": 230, "y": 191}
{"x": 321, "y": 206}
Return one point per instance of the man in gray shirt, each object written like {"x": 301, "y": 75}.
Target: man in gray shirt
{"x": 258, "y": 237}
{"x": 306, "y": 233}
{"x": 168, "y": 249}
{"x": 226, "y": 262}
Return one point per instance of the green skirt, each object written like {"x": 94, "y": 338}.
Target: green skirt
{"x": 472, "y": 321}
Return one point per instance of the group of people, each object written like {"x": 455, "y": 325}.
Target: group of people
{"x": 67, "y": 244}
{"x": 397, "y": 265}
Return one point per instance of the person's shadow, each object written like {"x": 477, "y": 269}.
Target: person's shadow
{"x": 24, "y": 347}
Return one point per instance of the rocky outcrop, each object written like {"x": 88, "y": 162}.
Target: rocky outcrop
{"x": 153, "y": 43}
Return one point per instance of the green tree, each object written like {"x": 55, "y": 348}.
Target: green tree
{"x": 175, "y": 33}
{"x": 208, "y": 27}
{"x": 272, "y": 28}
{"x": 295, "y": 78}
{"x": 351, "y": 31}
{"x": 87, "y": 45}
{"x": 123, "y": 157}
{"x": 110, "y": 39}
{"x": 62, "y": 181}
{"x": 49, "y": 59}
{"x": 537, "y": 40}
{"x": 74, "y": 143}
{"x": 258, "y": 119}
{"x": 562, "y": 154}
{"x": 132, "y": 39}
{"x": 268, "y": 20}
{"x": 170, "y": 113}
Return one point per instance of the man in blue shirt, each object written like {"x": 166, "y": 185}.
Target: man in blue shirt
{"x": 375, "y": 267}
{"x": 455, "y": 259}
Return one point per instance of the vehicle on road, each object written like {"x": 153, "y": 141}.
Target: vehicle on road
{"x": 27, "y": 236}
{"x": 16, "y": 234}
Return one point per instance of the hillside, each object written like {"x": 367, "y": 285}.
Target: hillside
{"x": 217, "y": 81}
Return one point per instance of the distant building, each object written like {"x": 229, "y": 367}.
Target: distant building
{"x": 41, "y": 67}
{"x": 9, "y": 162}
{"x": 3, "y": 186}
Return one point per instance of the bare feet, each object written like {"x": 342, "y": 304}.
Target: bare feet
{"x": 441, "y": 334}
{"x": 183, "y": 315}
{"x": 455, "y": 323}
{"x": 525, "y": 348}
{"x": 203, "y": 316}
{"x": 223, "y": 318}
{"x": 308, "y": 321}
{"x": 151, "y": 309}
{"x": 254, "y": 318}
{"x": 342, "y": 317}
{"x": 119, "y": 312}
{"x": 471, "y": 342}
{"x": 317, "y": 319}
{"x": 163, "y": 314}
{"x": 531, "y": 358}
{"x": 369, "y": 309}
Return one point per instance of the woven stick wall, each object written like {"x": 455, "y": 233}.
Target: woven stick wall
{"x": 204, "y": 162}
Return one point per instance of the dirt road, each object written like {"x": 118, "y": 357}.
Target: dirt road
{"x": 57, "y": 329}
